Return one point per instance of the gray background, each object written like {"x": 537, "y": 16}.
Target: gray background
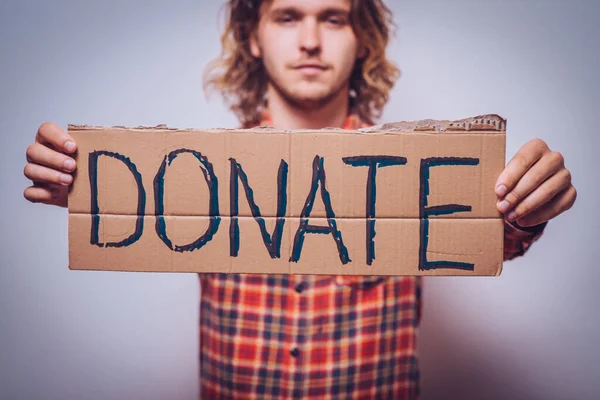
{"x": 531, "y": 333}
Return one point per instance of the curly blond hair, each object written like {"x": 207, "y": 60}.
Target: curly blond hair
{"x": 242, "y": 79}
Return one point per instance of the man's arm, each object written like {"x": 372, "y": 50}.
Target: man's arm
{"x": 518, "y": 239}
{"x": 534, "y": 188}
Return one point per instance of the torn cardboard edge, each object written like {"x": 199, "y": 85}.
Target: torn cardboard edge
{"x": 481, "y": 123}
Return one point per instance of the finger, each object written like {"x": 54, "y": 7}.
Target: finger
{"x": 547, "y": 166}
{"x": 39, "y": 173}
{"x": 39, "y": 154}
{"x": 60, "y": 193}
{"x": 41, "y": 194}
{"x": 540, "y": 196}
{"x": 525, "y": 158}
{"x": 52, "y": 134}
{"x": 558, "y": 205}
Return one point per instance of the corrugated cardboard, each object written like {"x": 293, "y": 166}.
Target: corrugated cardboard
{"x": 409, "y": 198}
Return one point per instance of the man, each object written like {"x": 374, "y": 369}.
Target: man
{"x": 311, "y": 64}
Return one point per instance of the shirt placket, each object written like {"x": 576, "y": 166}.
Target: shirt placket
{"x": 299, "y": 289}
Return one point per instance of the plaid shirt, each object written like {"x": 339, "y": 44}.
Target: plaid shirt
{"x": 315, "y": 336}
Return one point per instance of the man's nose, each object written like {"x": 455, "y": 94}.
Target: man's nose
{"x": 310, "y": 37}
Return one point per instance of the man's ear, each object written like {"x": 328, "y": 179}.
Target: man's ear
{"x": 254, "y": 47}
{"x": 362, "y": 52}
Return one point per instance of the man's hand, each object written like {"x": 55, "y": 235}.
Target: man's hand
{"x": 48, "y": 166}
{"x": 535, "y": 186}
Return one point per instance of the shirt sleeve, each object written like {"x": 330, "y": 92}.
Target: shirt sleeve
{"x": 518, "y": 239}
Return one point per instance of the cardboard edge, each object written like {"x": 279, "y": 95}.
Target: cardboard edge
{"x": 490, "y": 123}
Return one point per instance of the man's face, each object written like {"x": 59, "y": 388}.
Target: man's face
{"x": 308, "y": 49}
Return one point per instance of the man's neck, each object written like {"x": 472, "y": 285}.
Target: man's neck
{"x": 285, "y": 115}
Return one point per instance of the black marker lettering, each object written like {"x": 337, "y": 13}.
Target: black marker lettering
{"x": 95, "y": 211}
{"x": 318, "y": 178}
{"x": 373, "y": 162}
{"x": 272, "y": 243}
{"x": 159, "y": 198}
{"x": 425, "y": 211}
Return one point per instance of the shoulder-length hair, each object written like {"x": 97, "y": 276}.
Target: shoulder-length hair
{"x": 242, "y": 80}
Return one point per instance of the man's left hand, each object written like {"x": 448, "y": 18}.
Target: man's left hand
{"x": 535, "y": 186}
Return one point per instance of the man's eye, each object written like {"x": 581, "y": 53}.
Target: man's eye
{"x": 336, "y": 21}
{"x": 284, "y": 19}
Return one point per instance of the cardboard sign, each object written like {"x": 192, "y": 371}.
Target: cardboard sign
{"x": 409, "y": 198}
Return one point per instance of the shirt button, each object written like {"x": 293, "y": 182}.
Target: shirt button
{"x": 295, "y": 352}
{"x": 299, "y": 287}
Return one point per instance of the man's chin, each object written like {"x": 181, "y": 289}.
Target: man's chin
{"x": 309, "y": 101}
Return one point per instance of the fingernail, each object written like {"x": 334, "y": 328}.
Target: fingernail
{"x": 511, "y": 216}
{"x": 69, "y": 146}
{"x": 503, "y": 206}
{"x": 65, "y": 178}
{"x": 501, "y": 190}
{"x": 69, "y": 164}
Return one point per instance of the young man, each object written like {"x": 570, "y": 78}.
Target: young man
{"x": 311, "y": 64}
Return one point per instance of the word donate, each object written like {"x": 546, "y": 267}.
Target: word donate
{"x": 409, "y": 198}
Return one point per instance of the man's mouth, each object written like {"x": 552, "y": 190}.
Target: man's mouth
{"x": 311, "y": 68}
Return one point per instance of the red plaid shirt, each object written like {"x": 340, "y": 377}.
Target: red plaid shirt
{"x": 315, "y": 336}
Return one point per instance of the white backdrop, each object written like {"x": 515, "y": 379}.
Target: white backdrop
{"x": 530, "y": 333}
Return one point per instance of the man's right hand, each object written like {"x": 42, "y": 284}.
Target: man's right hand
{"x": 49, "y": 167}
